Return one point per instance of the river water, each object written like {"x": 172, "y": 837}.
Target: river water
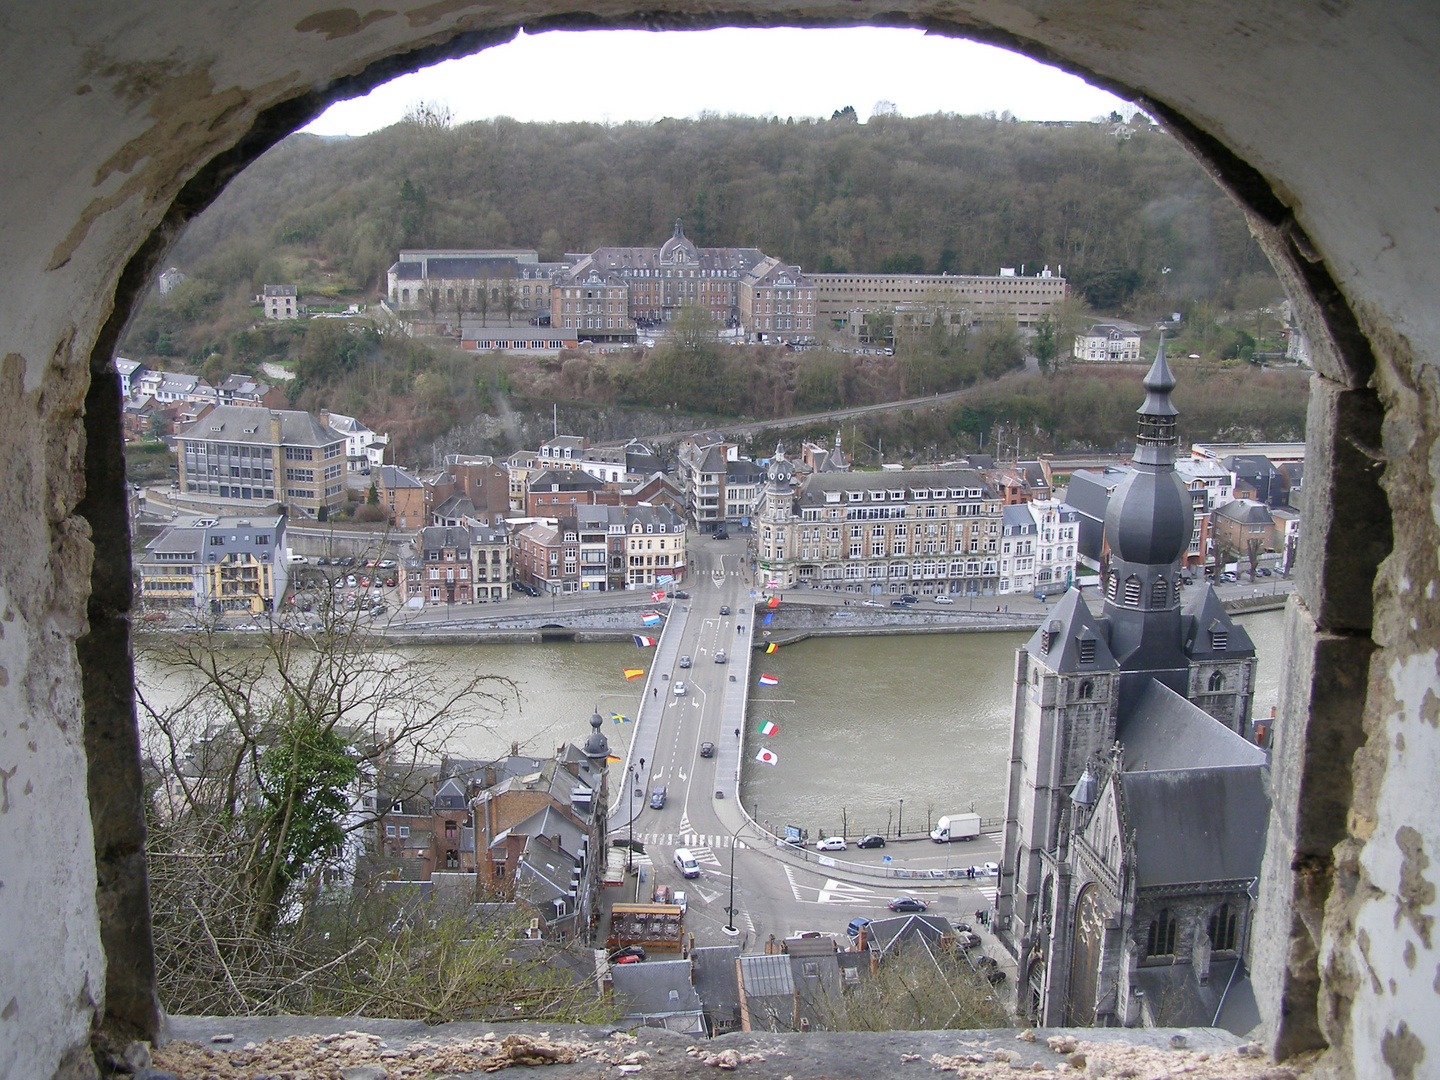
{"x": 862, "y": 722}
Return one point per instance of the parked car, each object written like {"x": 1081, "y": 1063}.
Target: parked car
{"x": 1230, "y": 576}
{"x": 793, "y": 841}
{"x": 908, "y": 904}
{"x": 707, "y": 749}
{"x": 685, "y": 661}
{"x": 873, "y": 840}
{"x": 724, "y": 609}
{"x": 1263, "y": 572}
{"x": 830, "y": 843}
{"x": 899, "y": 604}
{"x": 856, "y": 925}
{"x": 661, "y": 895}
{"x": 720, "y": 656}
{"x": 630, "y": 954}
{"x": 871, "y": 603}
{"x": 942, "y": 600}
{"x": 678, "y": 595}
{"x": 657, "y": 797}
{"x": 680, "y": 689}
{"x": 721, "y": 534}
{"x": 681, "y": 901}
{"x": 910, "y": 598}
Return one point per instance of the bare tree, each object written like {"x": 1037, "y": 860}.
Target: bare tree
{"x": 432, "y": 115}
{"x": 1253, "y": 547}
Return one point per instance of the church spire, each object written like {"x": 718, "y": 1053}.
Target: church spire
{"x": 1156, "y": 438}
{"x": 679, "y": 229}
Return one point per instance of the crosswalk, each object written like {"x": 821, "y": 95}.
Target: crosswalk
{"x": 694, "y": 841}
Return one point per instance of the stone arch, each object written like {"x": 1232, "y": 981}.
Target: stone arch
{"x": 1085, "y": 957}
{"x": 151, "y": 151}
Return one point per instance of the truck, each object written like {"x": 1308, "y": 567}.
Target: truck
{"x": 956, "y": 827}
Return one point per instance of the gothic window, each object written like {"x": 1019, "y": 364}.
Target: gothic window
{"x": 1112, "y": 585}
{"x": 1158, "y": 592}
{"x": 1217, "y": 681}
{"x": 1222, "y": 928}
{"x": 1161, "y": 941}
{"x": 1087, "y": 690}
{"x": 1132, "y": 591}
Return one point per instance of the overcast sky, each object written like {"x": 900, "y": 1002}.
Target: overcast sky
{"x": 619, "y": 75}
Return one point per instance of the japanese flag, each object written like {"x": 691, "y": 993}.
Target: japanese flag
{"x": 767, "y": 757}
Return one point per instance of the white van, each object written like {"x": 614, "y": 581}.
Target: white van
{"x": 685, "y": 863}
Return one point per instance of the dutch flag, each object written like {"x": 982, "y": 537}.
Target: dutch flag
{"x": 768, "y": 680}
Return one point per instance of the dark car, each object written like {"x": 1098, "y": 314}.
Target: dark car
{"x": 908, "y": 904}
{"x": 724, "y": 609}
{"x": 678, "y": 595}
{"x": 873, "y": 840}
{"x": 707, "y": 749}
{"x": 856, "y": 925}
{"x": 899, "y": 604}
{"x": 630, "y": 954}
{"x": 910, "y": 598}
{"x": 657, "y": 798}
{"x": 721, "y": 534}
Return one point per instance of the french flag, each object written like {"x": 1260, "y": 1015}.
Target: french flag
{"x": 769, "y": 680}
{"x": 644, "y": 642}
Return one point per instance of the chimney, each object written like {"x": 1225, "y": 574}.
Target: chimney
{"x": 274, "y": 427}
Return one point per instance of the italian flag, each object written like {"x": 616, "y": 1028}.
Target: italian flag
{"x": 767, "y": 728}
{"x": 767, "y": 757}
{"x": 768, "y": 680}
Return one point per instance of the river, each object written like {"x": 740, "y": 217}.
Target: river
{"x": 862, "y": 722}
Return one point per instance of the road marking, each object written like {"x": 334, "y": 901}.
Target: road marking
{"x": 708, "y": 898}
{"x": 842, "y": 892}
{"x": 681, "y": 774}
{"x": 794, "y": 889}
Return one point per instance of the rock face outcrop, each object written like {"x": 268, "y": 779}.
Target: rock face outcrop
{"x": 124, "y": 120}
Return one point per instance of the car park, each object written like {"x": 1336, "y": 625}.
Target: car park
{"x": 684, "y": 661}
{"x": 680, "y": 689}
{"x": 720, "y": 656}
{"x": 657, "y": 797}
{"x": 724, "y": 609}
{"x": 830, "y": 843}
{"x": 707, "y": 749}
{"x": 872, "y": 841}
{"x": 942, "y": 600}
{"x": 908, "y": 904}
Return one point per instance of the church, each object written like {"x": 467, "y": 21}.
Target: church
{"x": 1136, "y": 806}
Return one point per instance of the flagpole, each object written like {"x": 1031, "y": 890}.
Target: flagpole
{"x": 730, "y": 928}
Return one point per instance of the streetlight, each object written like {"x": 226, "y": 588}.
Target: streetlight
{"x": 730, "y": 929}
{"x": 900, "y": 825}
{"x": 630, "y": 846}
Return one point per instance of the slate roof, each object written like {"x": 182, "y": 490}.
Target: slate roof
{"x": 658, "y": 990}
{"x": 1246, "y": 512}
{"x": 564, "y": 480}
{"x": 1202, "y": 615}
{"x": 247, "y": 424}
{"x": 1070, "y": 623}
{"x": 812, "y": 492}
{"x": 1197, "y": 825}
{"x": 393, "y": 477}
{"x": 1164, "y": 731}
{"x": 890, "y": 934}
{"x": 767, "y": 975}
{"x": 715, "y": 981}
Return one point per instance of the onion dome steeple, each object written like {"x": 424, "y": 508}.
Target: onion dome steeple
{"x": 597, "y": 747}
{"x": 1156, "y": 438}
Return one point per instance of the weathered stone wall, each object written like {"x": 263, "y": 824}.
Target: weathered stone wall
{"x": 123, "y": 120}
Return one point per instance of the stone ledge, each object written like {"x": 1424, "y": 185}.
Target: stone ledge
{"x": 1197, "y": 1053}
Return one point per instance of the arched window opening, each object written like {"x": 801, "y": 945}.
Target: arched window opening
{"x": 1161, "y": 941}
{"x": 1087, "y": 689}
{"x": 1217, "y": 681}
{"x": 1222, "y": 928}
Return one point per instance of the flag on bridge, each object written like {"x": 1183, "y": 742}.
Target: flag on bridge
{"x": 650, "y": 618}
{"x": 767, "y": 757}
{"x": 773, "y": 602}
{"x": 658, "y": 595}
{"x": 634, "y": 672}
{"x": 643, "y": 642}
{"x": 771, "y": 647}
{"x": 619, "y": 719}
{"x": 768, "y": 680}
{"x": 664, "y": 579}
{"x": 613, "y": 759}
{"x": 767, "y": 728}
{"x": 769, "y": 618}
{"x": 772, "y": 584}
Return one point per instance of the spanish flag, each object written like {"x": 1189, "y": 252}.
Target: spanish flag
{"x": 634, "y": 672}
{"x": 771, "y": 647}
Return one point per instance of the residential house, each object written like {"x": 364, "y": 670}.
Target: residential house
{"x": 545, "y": 554}
{"x": 658, "y": 994}
{"x": 602, "y": 547}
{"x": 241, "y": 454}
{"x": 490, "y": 563}
{"x": 130, "y": 372}
{"x": 170, "y": 280}
{"x": 217, "y": 565}
{"x": 364, "y": 449}
{"x": 1017, "y": 551}
{"x": 744, "y": 480}
{"x": 519, "y": 466}
{"x": 437, "y": 568}
{"x": 793, "y": 990}
{"x": 704, "y": 460}
{"x": 403, "y": 495}
{"x": 561, "y": 453}
{"x": 1257, "y": 478}
{"x": 243, "y": 390}
{"x": 482, "y": 481}
{"x": 654, "y": 546}
{"x": 1057, "y": 529}
{"x": 1106, "y": 343}
{"x": 1241, "y": 522}
{"x": 279, "y": 302}
{"x": 776, "y": 301}
{"x": 551, "y": 492}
